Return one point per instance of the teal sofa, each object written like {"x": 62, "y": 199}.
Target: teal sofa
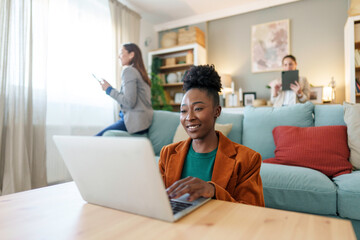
{"x": 285, "y": 187}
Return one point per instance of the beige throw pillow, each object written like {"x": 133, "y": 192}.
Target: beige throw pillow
{"x": 181, "y": 135}
{"x": 352, "y": 120}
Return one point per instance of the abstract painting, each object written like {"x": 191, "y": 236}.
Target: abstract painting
{"x": 270, "y": 42}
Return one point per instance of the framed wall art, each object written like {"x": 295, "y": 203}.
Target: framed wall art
{"x": 270, "y": 42}
{"x": 249, "y": 98}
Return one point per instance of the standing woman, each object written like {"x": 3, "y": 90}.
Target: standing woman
{"x": 135, "y": 94}
{"x": 300, "y": 91}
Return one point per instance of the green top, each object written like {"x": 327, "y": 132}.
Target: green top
{"x": 199, "y": 165}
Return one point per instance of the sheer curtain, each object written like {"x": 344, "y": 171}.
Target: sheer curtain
{"x": 80, "y": 44}
{"x": 22, "y": 94}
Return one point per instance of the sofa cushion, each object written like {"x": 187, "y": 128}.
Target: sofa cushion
{"x": 162, "y": 129}
{"x": 236, "y": 119}
{"x": 121, "y": 133}
{"x": 259, "y": 123}
{"x": 321, "y": 148}
{"x": 181, "y": 134}
{"x": 352, "y": 119}
{"x": 326, "y": 115}
{"x": 349, "y": 195}
{"x": 298, "y": 189}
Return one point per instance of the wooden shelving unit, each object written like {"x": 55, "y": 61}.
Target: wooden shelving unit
{"x": 175, "y": 104}
{"x": 177, "y": 59}
{"x": 176, "y": 66}
{"x": 357, "y": 72}
{"x": 173, "y": 84}
{"x": 357, "y": 45}
{"x": 352, "y": 72}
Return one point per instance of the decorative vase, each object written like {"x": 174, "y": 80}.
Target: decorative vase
{"x": 171, "y": 78}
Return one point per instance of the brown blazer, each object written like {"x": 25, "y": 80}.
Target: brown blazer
{"x": 236, "y": 174}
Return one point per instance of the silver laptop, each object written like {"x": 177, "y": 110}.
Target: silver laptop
{"x": 121, "y": 173}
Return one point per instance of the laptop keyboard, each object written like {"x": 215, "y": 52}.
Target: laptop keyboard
{"x": 178, "y": 206}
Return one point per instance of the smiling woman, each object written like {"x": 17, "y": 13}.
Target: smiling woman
{"x": 208, "y": 164}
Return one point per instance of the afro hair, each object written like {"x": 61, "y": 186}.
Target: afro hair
{"x": 203, "y": 77}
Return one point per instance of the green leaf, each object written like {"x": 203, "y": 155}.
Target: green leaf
{"x": 158, "y": 99}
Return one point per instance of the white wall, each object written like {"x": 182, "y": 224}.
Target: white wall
{"x": 147, "y": 34}
{"x": 316, "y": 38}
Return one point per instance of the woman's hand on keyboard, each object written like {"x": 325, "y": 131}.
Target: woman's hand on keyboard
{"x": 194, "y": 186}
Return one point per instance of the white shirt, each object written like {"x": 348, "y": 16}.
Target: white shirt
{"x": 289, "y": 98}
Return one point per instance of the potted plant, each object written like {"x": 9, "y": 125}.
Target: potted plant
{"x": 158, "y": 99}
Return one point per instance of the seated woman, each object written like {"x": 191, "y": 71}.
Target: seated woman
{"x": 300, "y": 91}
{"x": 208, "y": 164}
{"x": 135, "y": 93}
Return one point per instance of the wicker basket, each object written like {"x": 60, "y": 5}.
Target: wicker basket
{"x": 169, "y": 39}
{"x": 191, "y": 35}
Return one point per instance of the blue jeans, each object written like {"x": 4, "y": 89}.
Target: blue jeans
{"x": 119, "y": 125}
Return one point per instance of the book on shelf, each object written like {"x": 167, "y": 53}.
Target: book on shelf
{"x": 357, "y": 85}
{"x": 357, "y": 80}
{"x": 357, "y": 58}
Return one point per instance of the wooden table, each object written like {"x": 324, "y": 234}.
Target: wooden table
{"x": 58, "y": 212}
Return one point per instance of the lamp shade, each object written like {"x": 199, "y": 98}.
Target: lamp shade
{"x": 327, "y": 94}
{"x": 226, "y": 80}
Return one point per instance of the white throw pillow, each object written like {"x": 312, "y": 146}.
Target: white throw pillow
{"x": 181, "y": 135}
{"x": 352, "y": 120}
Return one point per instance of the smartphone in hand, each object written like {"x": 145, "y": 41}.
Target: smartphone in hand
{"x": 98, "y": 79}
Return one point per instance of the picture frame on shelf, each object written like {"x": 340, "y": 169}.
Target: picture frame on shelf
{"x": 178, "y": 97}
{"x": 248, "y": 98}
{"x": 316, "y": 94}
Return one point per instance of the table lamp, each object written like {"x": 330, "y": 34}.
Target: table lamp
{"x": 329, "y": 92}
{"x": 226, "y": 83}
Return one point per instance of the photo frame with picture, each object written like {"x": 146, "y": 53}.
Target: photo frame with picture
{"x": 316, "y": 94}
{"x": 248, "y": 98}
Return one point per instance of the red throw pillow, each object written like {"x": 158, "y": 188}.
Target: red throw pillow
{"x": 321, "y": 148}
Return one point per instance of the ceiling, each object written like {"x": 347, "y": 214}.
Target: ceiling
{"x": 166, "y": 14}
